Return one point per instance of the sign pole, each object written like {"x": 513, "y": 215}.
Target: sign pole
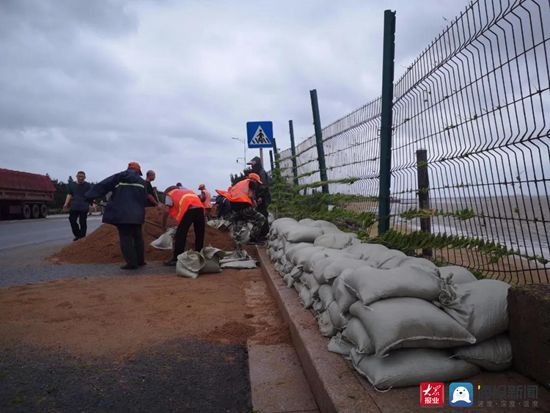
{"x": 262, "y": 156}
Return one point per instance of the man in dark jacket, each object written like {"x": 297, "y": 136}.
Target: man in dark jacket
{"x": 263, "y": 194}
{"x": 125, "y": 210}
{"x": 77, "y": 205}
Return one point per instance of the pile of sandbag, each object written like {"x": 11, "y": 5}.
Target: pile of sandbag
{"x": 400, "y": 320}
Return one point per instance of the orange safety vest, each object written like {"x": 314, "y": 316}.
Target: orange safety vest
{"x": 207, "y": 199}
{"x": 240, "y": 192}
{"x": 182, "y": 200}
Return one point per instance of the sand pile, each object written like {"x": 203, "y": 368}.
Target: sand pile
{"x": 121, "y": 316}
{"x": 102, "y": 246}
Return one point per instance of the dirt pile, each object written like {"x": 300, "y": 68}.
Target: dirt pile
{"x": 121, "y": 316}
{"x": 102, "y": 246}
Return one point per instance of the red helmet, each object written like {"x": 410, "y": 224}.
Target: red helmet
{"x": 254, "y": 177}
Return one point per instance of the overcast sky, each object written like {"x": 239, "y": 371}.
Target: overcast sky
{"x": 93, "y": 85}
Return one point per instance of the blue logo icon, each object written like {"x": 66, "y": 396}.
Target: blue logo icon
{"x": 461, "y": 395}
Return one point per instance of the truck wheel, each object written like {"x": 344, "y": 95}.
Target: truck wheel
{"x": 43, "y": 210}
{"x": 27, "y": 213}
{"x": 36, "y": 211}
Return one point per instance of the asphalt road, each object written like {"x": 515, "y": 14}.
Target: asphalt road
{"x": 54, "y": 230}
{"x": 25, "y": 245}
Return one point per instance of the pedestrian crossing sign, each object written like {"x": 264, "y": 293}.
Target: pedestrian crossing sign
{"x": 260, "y": 134}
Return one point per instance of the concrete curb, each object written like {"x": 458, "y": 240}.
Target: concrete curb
{"x": 334, "y": 385}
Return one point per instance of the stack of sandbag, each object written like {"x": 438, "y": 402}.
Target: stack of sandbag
{"x": 413, "y": 323}
{"x": 400, "y": 320}
{"x": 481, "y": 307}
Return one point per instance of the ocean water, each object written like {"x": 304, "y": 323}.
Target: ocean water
{"x": 516, "y": 222}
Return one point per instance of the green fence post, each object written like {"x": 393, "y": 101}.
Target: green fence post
{"x": 293, "y": 151}
{"x": 319, "y": 139}
{"x": 276, "y": 154}
{"x": 423, "y": 194}
{"x": 386, "y": 122}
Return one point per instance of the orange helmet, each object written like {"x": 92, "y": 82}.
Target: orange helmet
{"x": 254, "y": 177}
{"x": 202, "y": 186}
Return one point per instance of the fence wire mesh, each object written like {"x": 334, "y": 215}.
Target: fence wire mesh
{"x": 477, "y": 99}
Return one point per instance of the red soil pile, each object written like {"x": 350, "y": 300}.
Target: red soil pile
{"x": 102, "y": 246}
{"x": 121, "y": 316}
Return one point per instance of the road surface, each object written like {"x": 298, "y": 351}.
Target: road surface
{"x": 33, "y": 233}
{"x": 25, "y": 245}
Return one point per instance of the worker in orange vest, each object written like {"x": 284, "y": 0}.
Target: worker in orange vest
{"x": 242, "y": 197}
{"x": 186, "y": 208}
{"x": 206, "y": 200}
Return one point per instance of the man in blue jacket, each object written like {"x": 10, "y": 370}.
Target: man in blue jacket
{"x": 125, "y": 210}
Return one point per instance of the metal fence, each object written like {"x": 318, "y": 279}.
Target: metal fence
{"x": 477, "y": 99}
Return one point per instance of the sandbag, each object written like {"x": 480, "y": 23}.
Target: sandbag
{"x": 279, "y": 224}
{"x": 355, "y": 333}
{"x": 326, "y": 226}
{"x": 326, "y": 328}
{"x": 338, "y": 318}
{"x": 365, "y": 251}
{"x": 372, "y": 284}
{"x": 337, "y": 265}
{"x": 409, "y": 322}
{"x": 336, "y": 240}
{"x": 297, "y": 285}
{"x": 410, "y": 367}
{"x": 319, "y": 261}
{"x": 302, "y": 233}
{"x": 418, "y": 262}
{"x": 322, "y": 259}
{"x": 165, "y": 241}
{"x": 304, "y": 257}
{"x": 325, "y": 295}
{"x": 220, "y": 224}
{"x": 278, "y": 255}
{"x": 307, "y": 222}
{"x": 458, "y": 275}
{"x": 292, "y": 249}
{"x": 189, "y": 264}
{"x": 342, "y": 295}
{"x": 296, "y": 272}
{"x": 317, "y": 306}
{"x": 239, "y": 265}
{"x": 388, "y": 260}
{"x": 289, "y": 280}
{"x": 212, "y": 258}
{"x": 286, "y": 266}
{"x": 339, "y": 345}
{"x": 494, "y": 354}
{"x": 309, "y": 280}
{"x": 480, "y": 306}
{"x": 306, "y": 297}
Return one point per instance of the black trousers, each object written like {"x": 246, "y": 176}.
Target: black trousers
{"x": 193, "y": 216}
{"x": 80, "y": 228}
{"x": 262, "y": 209}
{"x": 131, "y": 243}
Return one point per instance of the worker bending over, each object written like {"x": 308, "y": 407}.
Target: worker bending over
{"x": 186, "y": 208}
{"x": 242, "y": 197}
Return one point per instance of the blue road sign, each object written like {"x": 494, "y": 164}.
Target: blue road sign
{"x": 260, "y": 134}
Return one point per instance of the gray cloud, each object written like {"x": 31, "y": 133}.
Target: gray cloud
{"x": 94, "y": 84}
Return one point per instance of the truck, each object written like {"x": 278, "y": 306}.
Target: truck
{"x": 24, "y": 195}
